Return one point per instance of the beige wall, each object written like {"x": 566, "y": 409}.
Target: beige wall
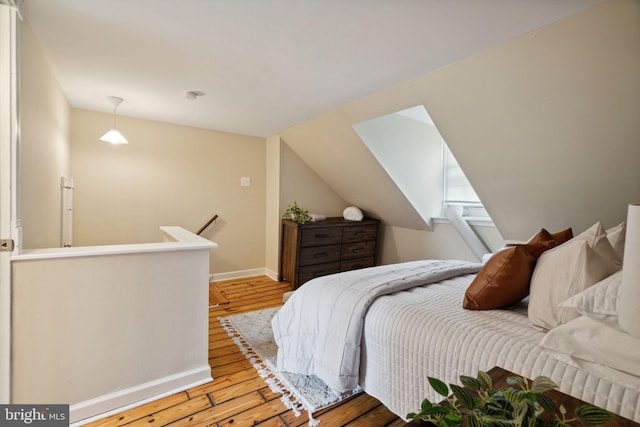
{"x": 291, "y": 180}
{"x": 550, "y": 134}
{"x": 301, "y": 185}
{"x": 403, "y": 244}
{"x": 44, "y": 145}
{"x": 545, "y": 127}
{"x": 169, "y": 175}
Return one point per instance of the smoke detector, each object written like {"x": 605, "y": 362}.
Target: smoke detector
{"x": 193, "y": 94}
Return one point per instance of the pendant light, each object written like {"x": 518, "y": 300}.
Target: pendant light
{"x": 114, "y": 136}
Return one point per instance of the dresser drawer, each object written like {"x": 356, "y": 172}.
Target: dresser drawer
{"x": 358, "y": 249}
{"x": 312, "y": 271}
{"x": 357, "y": 233}
{"x": 326, "y": 247}
{"x": 319, "y": 254}
{"x": 320, "y": 236}
{"x": 356, "y": 263}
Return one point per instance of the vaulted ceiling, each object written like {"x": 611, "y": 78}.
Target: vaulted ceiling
{"x": 264, "y": 65}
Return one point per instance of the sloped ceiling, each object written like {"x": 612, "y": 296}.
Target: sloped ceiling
{"x": 264, "y": 65}
{"x": 545, "y": 127}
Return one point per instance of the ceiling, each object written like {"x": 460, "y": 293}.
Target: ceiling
{"x": 264, "y": 65}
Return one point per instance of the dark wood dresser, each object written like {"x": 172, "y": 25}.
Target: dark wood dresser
{"x": 326, "y": 247}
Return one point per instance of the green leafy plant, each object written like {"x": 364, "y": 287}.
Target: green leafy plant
{"x": 476, "y": 404}
{"x": 297, "y": 214}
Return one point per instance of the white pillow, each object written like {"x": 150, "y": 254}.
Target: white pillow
{"x": 597, "y": 238}
{"x": 566, "y": 270}
{"x": 616, "y": 236}
{"x": 599, "y": 301}
{"x": 587, "y": 339}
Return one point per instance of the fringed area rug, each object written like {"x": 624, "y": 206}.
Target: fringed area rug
{"x": 253, "y": 335}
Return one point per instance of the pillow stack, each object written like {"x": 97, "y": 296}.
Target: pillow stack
{"x": 597, "y": 340}
{"x": 567, "y": 270}
{"x": 505, "y": 277}
{"x": 577, "y": 295}
{"x": 600, "y": 301}
{"x": 554, "y": 270}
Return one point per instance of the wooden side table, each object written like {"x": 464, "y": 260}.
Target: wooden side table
{"x": 499, "y": 377}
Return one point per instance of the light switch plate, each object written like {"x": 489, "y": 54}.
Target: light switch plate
{"x": 245, "y": 181}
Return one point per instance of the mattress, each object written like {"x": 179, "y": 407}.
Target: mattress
{"x": 424, "y": 331}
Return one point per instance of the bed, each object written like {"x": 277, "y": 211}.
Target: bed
{"x": 387, "y": 328}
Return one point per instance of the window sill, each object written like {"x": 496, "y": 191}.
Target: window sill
{"x": 473, "y": 221}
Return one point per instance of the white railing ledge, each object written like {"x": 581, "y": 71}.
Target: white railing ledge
{"x": 175, "y": 239}
{"x": 179, "y": 234}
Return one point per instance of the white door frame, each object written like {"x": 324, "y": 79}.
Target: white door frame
{"x": 9, "y": 223}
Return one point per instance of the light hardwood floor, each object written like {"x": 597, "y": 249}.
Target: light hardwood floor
{"x": 238, "y": 396}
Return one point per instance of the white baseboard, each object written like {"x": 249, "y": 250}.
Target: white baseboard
{"x": 244, "y": 273}
{"x": 273, "y": 275}
{"x": 121, "y": 400}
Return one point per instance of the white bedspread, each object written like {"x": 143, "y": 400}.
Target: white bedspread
{"x": 424, "y": 331}
{"x": 319, "y": 329}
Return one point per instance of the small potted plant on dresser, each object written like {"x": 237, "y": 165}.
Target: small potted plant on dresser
{"x": 521, "y": 402}
{"x": 297, "y": 214}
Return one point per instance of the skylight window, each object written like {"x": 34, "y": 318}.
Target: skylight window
{"x": 457, "y": 188}
{"x": 411, "y": 150}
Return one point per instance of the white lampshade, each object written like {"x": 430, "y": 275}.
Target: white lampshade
{"x": 629, "y": 294}
{"x": 114, "y": 136}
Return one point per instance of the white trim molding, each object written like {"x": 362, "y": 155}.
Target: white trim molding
{"x": 8, "y": 184}
{"x": 239, "y": 274}
{"x": 131, "y": 397}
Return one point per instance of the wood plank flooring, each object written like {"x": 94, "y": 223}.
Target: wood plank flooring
{"x": 238, "y": 396}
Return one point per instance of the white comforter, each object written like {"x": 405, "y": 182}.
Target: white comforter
{"x": 424, "y": 331}
{"x": 319, "y": 329}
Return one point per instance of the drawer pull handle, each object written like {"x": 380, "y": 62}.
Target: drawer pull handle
{"x": 321, "y": 236}
{"x": 320, "y": 255}
{"x": 356, "y": 250}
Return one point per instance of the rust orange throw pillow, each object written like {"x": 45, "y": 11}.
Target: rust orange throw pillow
{"x": 504, "y": 279}
{"x": 560, "y": 237}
